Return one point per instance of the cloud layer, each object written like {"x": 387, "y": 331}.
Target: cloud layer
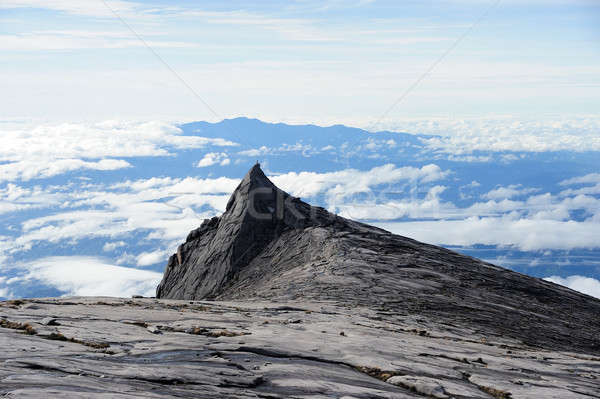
{"x": 33, "y": 152}
{"x": 465, "y": 135}
{"x": 587, "y": 285}
{"x": 521, "y": 234}
{"x": 137, "y": 217}
{"x": 89, "y": 276}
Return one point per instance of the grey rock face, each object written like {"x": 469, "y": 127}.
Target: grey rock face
{"x": 271, "y": 246}
{"x": 49, "y": 321}
{"x": 250, "y": 349}
{"x": 215, "y": 253}
{"x": 309, "y": 305}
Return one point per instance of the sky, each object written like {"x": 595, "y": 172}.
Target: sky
{"x": 356, "y": 62}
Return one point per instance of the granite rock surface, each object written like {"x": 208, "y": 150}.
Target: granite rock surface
{"x": 280, "y": 299}
{"x": 103, "y": 348}
{"x": 269, "y": 245}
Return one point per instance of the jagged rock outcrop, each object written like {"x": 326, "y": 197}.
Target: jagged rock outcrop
{"x": 271, "y": 246}
{"x": 215, "y": 253}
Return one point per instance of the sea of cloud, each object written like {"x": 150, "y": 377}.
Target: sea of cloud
{"x": 89, "y": 276}
{"x": 583, "y": 284}
{"x": 48, "y": 150}
{"x": 467, "y": 134}
{"x": 407, "y": 200}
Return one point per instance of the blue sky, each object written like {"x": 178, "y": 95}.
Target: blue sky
{"x": 347, "y": 61}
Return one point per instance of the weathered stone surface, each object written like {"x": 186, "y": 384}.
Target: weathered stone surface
{"x": 271, "y": 246}
{"x": 424, "y": 385}
{"x": 251, "y": 350}
{"x": 153, "y": 329}
{"x": 308, "y": 305}
{"x": 49, "y": 321}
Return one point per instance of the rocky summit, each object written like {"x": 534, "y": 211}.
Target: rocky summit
{"x": 280, "y": 299}
{"x": 269, "y": 245}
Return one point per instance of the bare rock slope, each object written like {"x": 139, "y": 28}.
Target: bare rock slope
{"x": 269, "y": 245}
{"x": 150, "y": 348}
{"x": 278, "y": 299}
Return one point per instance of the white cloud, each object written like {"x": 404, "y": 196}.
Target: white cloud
{"x": 111, "y": 246}
{"x": 39, "y": 169}
{"x": 535, "y": 222}
{"x": 416, "y": 207}
{"x": 6, "y": 207}
{"x": 157, "y": 187}
{"x": 589, "y": 178}
{"x": 288, "y": 28}
{"x": 469, "y": 158}
{"x": 590, "y": 190}
{"x": 457, "y": 138}
{"x": 348, "y": 182}
{"x": 508, "y": 192}
{"x": 586, "y": 285}
{"x": 77, "y": 7}
{"x": 536, "y": 207}
{"x": 462, "y": 135}
{"x": 187, "y": 142}
{"x": 154, "y": 257}
{"x": 78, "y": 40}
{"x": 320, "y": 5}
{"x": 467, "y": 191}
{"x": 155, "y": 216}
{"x": 585, "y": 191}
{"x": 89, "y": 276}
{"x": 373, "y": 144}
{"x": 39, "y": 151}
{"x": 96, "y": 140}
{"x": 255, "y": 152}
{"x": 166, "y": 207}
{"x": 213, "y": 158}
{"x": 305, "y": 149}
{"x": 294, "y": 29}
{"x": 522, "y": 234}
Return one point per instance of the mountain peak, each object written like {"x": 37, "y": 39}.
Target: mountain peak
{"x": 215, "y": 253}
{"x": 271, "y": 246}
{"x": 256, "y": 173}
{"x": 256, "y": 170}
{"x": 255, "y": 182}
{"x": 257, "y": 199}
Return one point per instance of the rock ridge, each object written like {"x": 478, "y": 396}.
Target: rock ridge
{"x": 215, "y": 252}
{"x": 271, "y": 246}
